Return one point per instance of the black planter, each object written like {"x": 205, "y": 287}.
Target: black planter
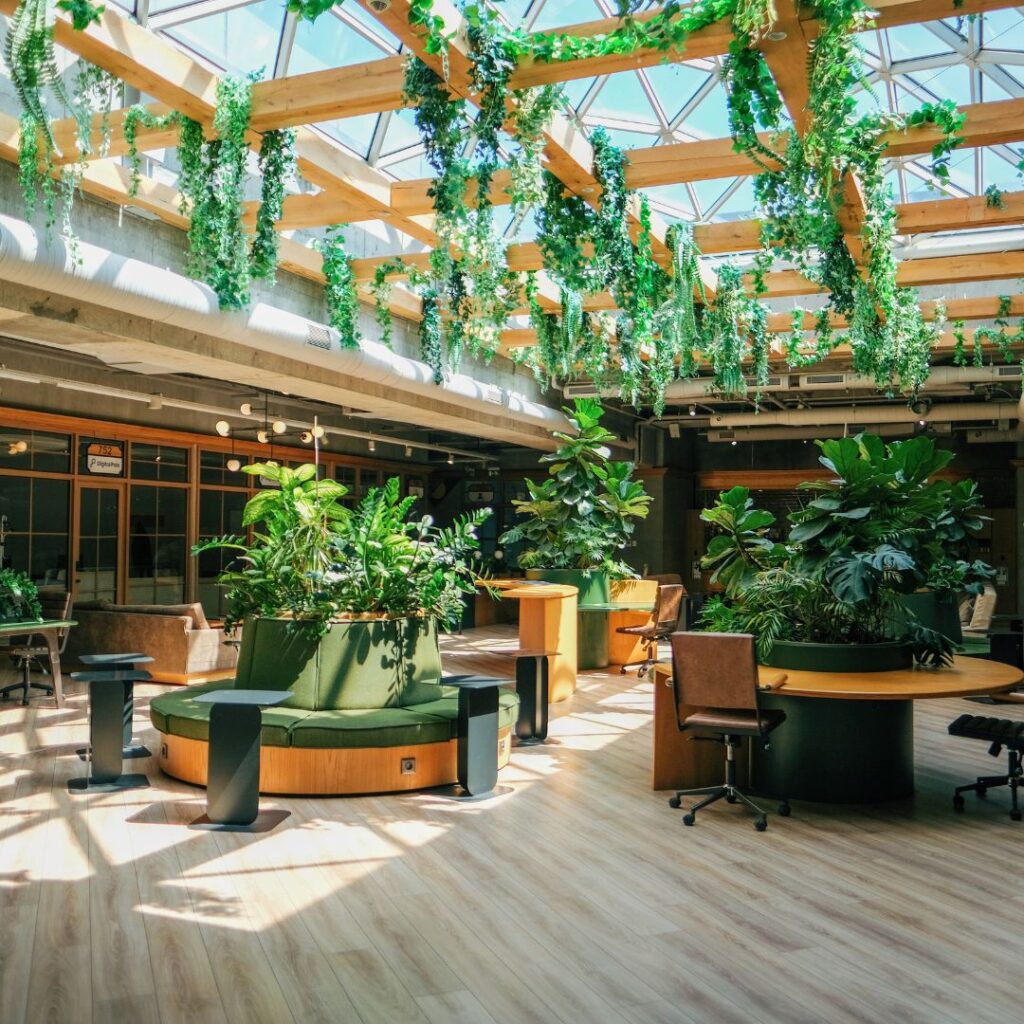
{"x": 885, "y": 657}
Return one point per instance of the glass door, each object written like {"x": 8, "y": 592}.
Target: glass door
{"x": 99, "y": 509}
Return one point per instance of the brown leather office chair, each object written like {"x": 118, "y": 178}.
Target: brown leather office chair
{"x": 714, "y": 676}
{"x": 27, "y": 651}
{"x": 663, "y": 623}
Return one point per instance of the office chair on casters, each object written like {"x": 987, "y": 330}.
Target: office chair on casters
{"x": 998, "y": 733}
{"x": 664, "y": 622}
{"x": 717, "y": 697}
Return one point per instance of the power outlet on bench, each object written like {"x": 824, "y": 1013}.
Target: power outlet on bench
{"x": 408, "y": 765}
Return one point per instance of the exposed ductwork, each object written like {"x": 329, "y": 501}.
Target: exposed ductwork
{"x": 948, "y": 413}
{"x": 268, "y": 344}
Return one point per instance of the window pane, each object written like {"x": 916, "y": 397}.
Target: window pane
{"x": 156, "y": 545}
{"x": 158, "y": 462}
{"x": 34, "y": 449}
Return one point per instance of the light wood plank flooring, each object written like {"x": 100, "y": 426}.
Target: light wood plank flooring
{"x": 573, "y": 894}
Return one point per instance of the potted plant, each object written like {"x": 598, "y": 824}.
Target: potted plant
{"x": 577, "y": 522}
{"x": 19, "y": 598}
{"x": 832, "y": 597}
{"x": 343, "y": 603}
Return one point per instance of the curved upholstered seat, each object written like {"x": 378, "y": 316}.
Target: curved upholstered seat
{"x": 178, "y": 714}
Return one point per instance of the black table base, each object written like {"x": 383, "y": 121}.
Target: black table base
{"x": 233, "y": 775}
{"x": 106, "y": 736}
{"x": 478, "y": 738}
{"x": 838, "y": 751}
{"x": 532, "y": 690}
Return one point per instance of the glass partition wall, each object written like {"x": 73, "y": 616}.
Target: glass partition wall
{"x": 113, "y": 518}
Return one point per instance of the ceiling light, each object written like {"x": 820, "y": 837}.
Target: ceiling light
{"x": 378, "y": 6}
{"x": 408, "y": 451}
{"x": 921, "y": 423}
{"x": 262, "y": 436}
{"x": 693, "y": 410}
{"x": 234, "y": 465}
{"x": 245, "y": 408}
{"x": 318, "y": 431}
{"x": 279, "y": 426}
{"x": 222, "y": 427}
{"x": 734, "y": 443}
{"x": 156, "y": 402}
{"x": 372, "y": 445}
{"x": 777, "y": 37}
{"x": 451, "y": 459}
{"x": 306, "y": 436}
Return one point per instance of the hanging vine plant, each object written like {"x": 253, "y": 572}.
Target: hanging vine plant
{"x": 339, "y": 286}
{"x": 276, "y": 165}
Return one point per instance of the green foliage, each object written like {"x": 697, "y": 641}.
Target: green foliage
{"x": 583, "y": 514}
{"x": 994, "y": 198}
{"x": 137, "y": 117}
{"x": 83, "y": 13}
{"x": 277, "y": 165}
{"x": 213, "y": 182}
{"x": 310, "y": 10}
{"x": 19, "y": 598}
{"x": 883, "y": 525}
{"x": 313, "y": 559}
{"x": 339, "y": 287}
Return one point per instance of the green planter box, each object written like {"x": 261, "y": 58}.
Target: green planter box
{"x": 359, "y": 663}
{"x": 840, "y": 657}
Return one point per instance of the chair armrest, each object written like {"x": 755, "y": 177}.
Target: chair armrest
{"x": 773, "y": 684}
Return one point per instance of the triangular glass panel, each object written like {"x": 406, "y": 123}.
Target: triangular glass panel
{"x": 330, "y": 43}
{"x": 216, "y": 37}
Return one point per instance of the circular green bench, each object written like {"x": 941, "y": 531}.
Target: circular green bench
{"x": 329, "y": 738}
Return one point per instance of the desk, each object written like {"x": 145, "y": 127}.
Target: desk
{"x": 547, "y": 622}
{"x": 48, "y": 629}
{"x": 847, "y": 738}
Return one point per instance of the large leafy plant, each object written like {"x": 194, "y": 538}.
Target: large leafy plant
{"x": 19, "y": 598}
{"x": 880, "y": 527}
{"x": 584, "y": 514}
{"x": 313, "y": 559}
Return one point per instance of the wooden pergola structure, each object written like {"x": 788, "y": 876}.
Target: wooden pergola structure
{"x": 351, "y": 190}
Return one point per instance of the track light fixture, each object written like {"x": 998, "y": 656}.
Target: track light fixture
{"x": 408, "y": 451}
{"x": 317, "y": 430}
{"x": 222, "y": 427}
{"x": 234, "y": 465}
{"x": 306, "y": 437}
{"x": 451, "y": 459}
{"x": 372, "y": 445}
{"x": 245, "y": 408}
{"x": 262, "y": 436}
{"x": 279, "y": 426}
{"x": 693, "y": 410}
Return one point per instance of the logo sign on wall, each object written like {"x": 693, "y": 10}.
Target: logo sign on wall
{"x": 415, "y": 487}
{"x": 104, "y": 459}
{"x": 479, "y": 492}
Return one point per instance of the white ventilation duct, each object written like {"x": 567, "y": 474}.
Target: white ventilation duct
{"x": 895, "y": 413}
{"x": 142, "y": 290}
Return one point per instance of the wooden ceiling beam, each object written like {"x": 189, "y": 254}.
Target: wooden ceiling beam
{"x": 569, "y": 154}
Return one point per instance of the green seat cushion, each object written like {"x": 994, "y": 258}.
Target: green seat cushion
{"x": 178, "y": 714}
{"x": 448, "y": 707}
{"x": 181, "y": 697}
{"x": 370, "y": 727}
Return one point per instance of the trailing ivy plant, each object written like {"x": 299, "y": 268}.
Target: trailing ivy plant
{"x": 339, "y": 286}
{"x": 277, "y": 165}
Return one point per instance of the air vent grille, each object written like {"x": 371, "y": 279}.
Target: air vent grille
{"x": 318, "y": 336}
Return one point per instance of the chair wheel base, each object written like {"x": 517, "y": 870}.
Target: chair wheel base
{"x": 675, "y": 802}
{"x": 784, "y": 809}
{"x": 760, "y": 824}
{"x": 689, "y": 819}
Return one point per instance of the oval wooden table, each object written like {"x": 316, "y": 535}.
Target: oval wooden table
{"x": 547, "y": 622}
{"x": 848, "y": 737}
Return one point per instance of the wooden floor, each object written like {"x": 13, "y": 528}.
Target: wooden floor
{"x": 574, "y": 894}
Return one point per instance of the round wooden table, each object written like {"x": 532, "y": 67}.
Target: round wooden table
{"x": 849, "y": 738}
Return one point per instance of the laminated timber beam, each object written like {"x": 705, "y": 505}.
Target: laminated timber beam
{"x": 570, "y": 156}
{"x": 157, "y": 67}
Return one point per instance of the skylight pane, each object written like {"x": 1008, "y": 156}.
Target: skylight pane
{"x": 1002, "y": 30}
{"x": 217, "y": 37}
{"x": 740, "y": 205}
{"x": 672, "y": 201}
{"x": 330, "y": 43}
{"x": 557, "y": 15}
{"x": 622, "y": 96}
{"x": 675, "y": 84}
{"x": 354, "y": 132}
{"x": 908, "y": 42}
{"x": 401, "y": 132}
{"x": 710, "y": 118}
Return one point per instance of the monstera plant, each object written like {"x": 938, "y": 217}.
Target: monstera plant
{"x": 882, "y": 526}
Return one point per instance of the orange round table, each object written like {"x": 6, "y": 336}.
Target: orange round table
{"x": 849, "y": 737}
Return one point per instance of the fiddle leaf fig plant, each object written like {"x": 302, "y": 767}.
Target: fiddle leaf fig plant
{"x": 584, "y": 513}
